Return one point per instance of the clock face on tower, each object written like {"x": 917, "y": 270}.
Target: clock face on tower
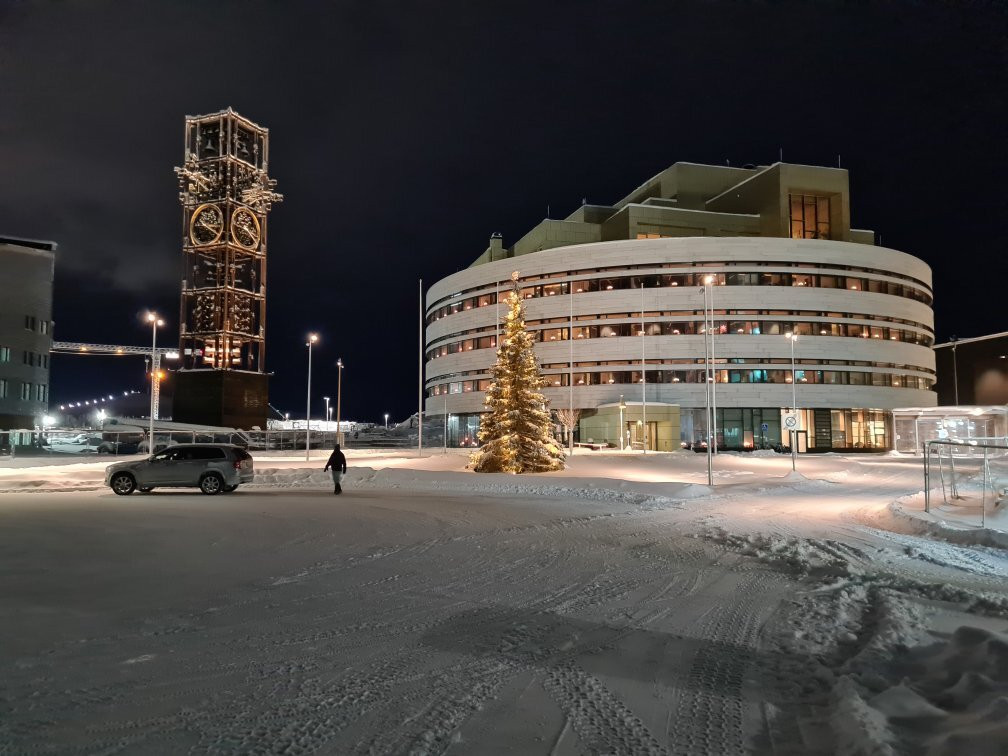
{"x": 206, "y": 225}
{"x": 245, "y": 228}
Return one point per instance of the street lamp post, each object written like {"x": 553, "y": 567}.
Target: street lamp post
{"x": 792, "y": 338}
{"x": 955, "y": 375}
{"x": 622, "y": 427}
{"x": 312, "y": 338}
{"x": 339, "y": 394}
{"x": 155, "y": 321}
{"x": 327, "y": 411}
{"x": 643, "y": 375}
{"x": 707, "y": 380}
{"x": 386, "y": 421}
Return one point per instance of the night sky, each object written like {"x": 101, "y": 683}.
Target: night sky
{"x": 404, "y": 133}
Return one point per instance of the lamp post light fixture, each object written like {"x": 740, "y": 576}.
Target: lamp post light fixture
{"x": 792, "y": 338}
{"x": 386, "y": 421}
{"x": 339, "y": 394}
{"x": 312, "y": 338}
{"x": 155, "y": 321}
{"x": 326, "y": 409}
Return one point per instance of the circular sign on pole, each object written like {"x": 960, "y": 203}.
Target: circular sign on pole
{"x": 791, "y": 422}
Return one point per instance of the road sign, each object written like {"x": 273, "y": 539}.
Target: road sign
{"x": 791, "y": 422}
{"x": 764, "y": 427}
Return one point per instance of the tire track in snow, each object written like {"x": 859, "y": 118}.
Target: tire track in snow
{"x": 710, "y": 710}
{"x": 603, "y": 723}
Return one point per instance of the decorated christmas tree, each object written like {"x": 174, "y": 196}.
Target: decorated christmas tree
{"x": 515, "y": 433}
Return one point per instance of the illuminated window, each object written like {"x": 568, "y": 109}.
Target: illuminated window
{"x": 810, "y": 217}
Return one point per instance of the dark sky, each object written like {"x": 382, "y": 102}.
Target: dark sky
{"x": 404, "y": 133}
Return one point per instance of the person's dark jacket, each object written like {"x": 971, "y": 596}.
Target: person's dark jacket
{"x": 336, "y": 460}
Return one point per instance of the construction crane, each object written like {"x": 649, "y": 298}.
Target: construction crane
{"x": 72, "y": 347}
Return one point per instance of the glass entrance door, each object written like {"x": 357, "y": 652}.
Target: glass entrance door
{"x": 638, "y": 438}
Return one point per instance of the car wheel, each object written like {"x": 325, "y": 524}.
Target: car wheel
{"x": 122, "y": 484}
{"x": 146, "y": 489}
{"x": 229, "y": 489}
{"x": 212, "y": 484}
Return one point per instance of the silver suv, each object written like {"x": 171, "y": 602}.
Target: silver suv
{"x": 210, "y": 467}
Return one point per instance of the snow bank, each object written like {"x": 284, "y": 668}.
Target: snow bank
{"x": 875, "y": 677}
{"x": 950, "y": 696}
{"x": 495, "y": 484}
{"x": 951, "y": 523}
{"x": 803, "y": 556}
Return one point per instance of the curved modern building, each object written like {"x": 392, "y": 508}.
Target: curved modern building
{"x": 615, "y": 297}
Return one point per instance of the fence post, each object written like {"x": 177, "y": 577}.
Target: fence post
{"x": 927, "y": 478}
{"x": 983, "y": 491}
{"x": 953, "y": 488}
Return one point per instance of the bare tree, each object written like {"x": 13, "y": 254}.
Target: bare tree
{"x": 569, "y": 419}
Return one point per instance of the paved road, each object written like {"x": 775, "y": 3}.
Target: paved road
{"x": 375, "y": 622}
{"x": 383, "y": 621}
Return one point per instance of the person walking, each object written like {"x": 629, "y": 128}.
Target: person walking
{"x": 338, "y": 464}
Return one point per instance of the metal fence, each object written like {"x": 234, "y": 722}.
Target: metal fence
{"x": 84, "y": 442}
{"x": 974, "y": 457}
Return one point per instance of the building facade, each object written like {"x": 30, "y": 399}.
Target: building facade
{"x": 25, "y": 330}
{"x": 615, "y": 297}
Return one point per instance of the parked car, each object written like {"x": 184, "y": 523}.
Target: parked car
{"x": 700, "y": 445}
{"x": 81, "y": 443}
{"x": 142, "y": 446}
{"x": 212, "y": 468}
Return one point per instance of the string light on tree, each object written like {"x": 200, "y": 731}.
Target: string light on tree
{"x": 515, "y": 433}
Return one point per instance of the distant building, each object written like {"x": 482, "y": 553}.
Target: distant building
{"x": 25, "y": 330}
{"x": 776, "y": 242}
{"x": 973, "y": 371}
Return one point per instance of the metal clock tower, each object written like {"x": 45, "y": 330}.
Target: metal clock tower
{"x": 226, "y": 195}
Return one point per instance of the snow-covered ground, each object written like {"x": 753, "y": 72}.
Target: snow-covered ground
{"x": 620, "y": 606}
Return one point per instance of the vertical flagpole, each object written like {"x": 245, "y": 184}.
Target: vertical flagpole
{"x": 643, "y": 371}
{"x": 707, "y": 420}
{"x": 420, "y": 387}
{"x": 570, "y": 377}
{"x": 713, "y": 388}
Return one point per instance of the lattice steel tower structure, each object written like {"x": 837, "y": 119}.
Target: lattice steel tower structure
{"x": 226, "y": 195}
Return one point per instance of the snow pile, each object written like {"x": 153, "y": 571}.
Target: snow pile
{"x": 950, "y": 697}
{"x": 487, "y": 483}
{"x": 857, "y": 728}
{"x": 804, "y": 556}
{"x": 954, "y": 523}
{"x": 81, "y": 476}
{"x": 857, "y": 657}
